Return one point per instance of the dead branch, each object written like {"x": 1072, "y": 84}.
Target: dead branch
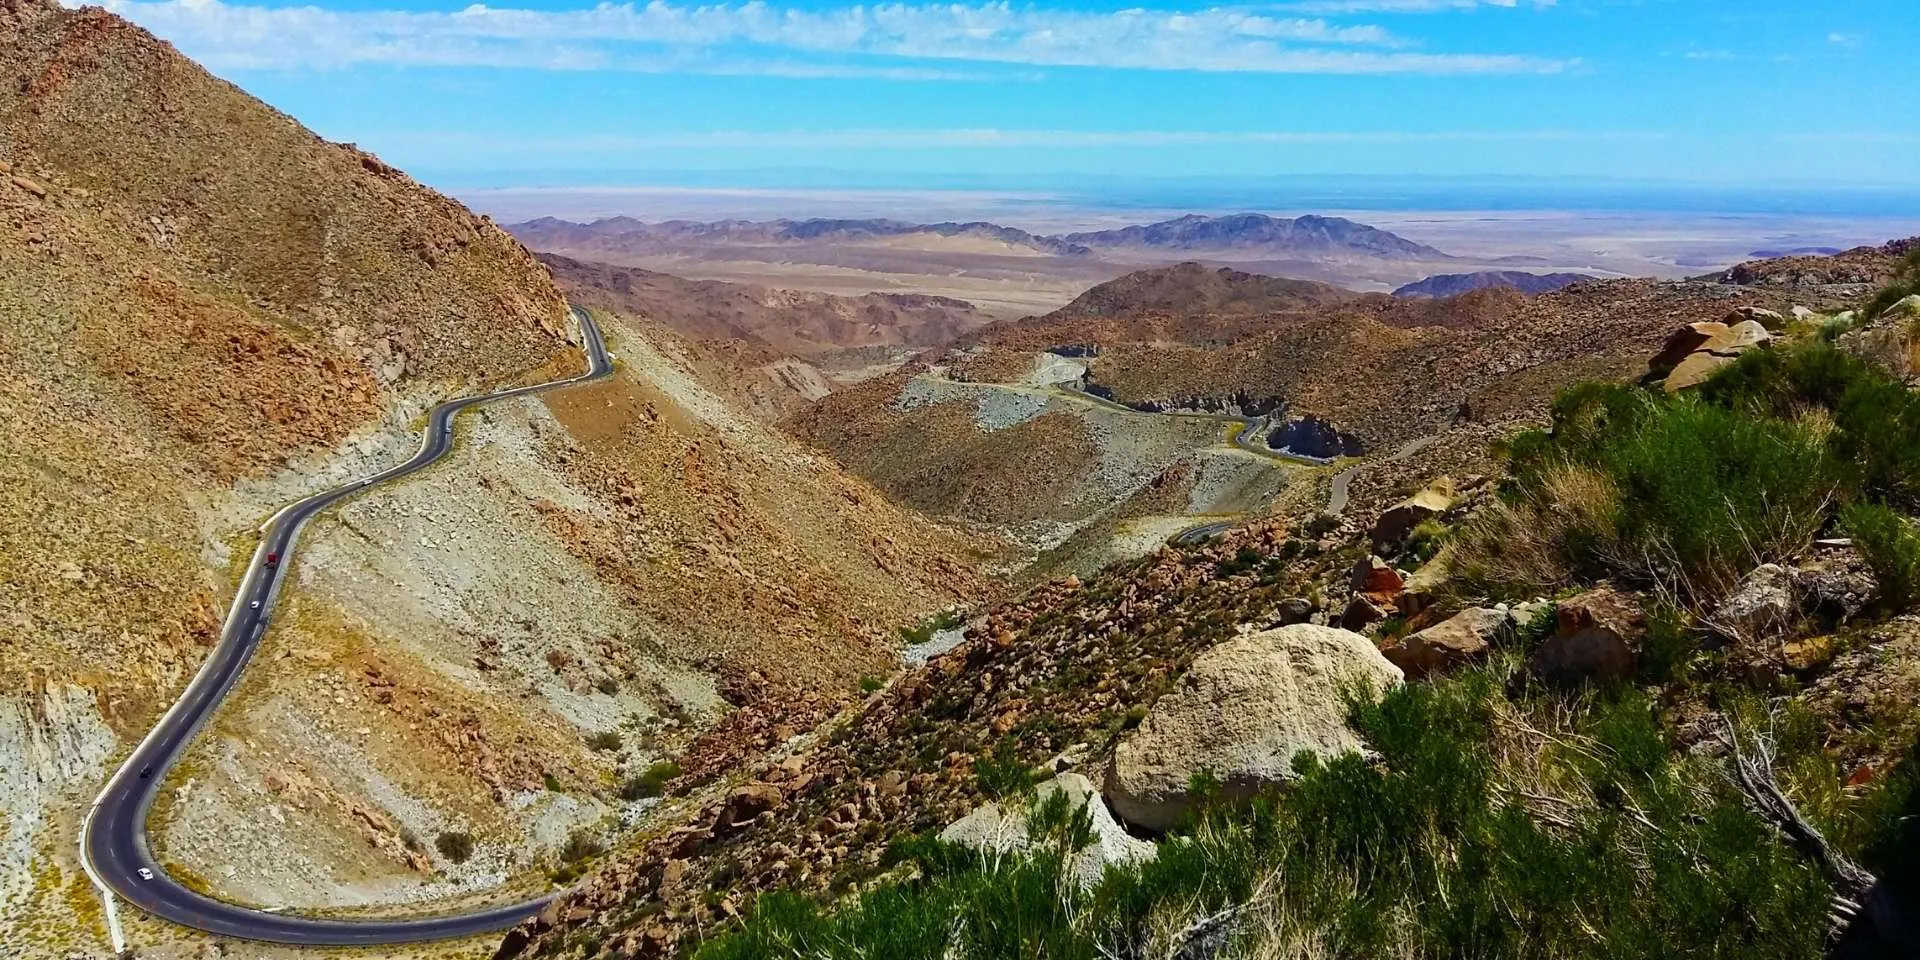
{"x": 1753, "y": 771}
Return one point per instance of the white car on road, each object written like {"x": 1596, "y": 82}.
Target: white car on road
{"x": 144, "y": 873}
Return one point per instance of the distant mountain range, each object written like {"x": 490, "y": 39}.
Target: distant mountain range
{"x": 1300, "y": 236}
{"x": 1306, "y": 238}
{"x": 1454, "y": 284}
{"x": 548, "y": 231}
{"x": 1795, "y": 252}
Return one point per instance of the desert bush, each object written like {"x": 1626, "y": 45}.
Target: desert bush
{"x": 924, "y": 630}
{"x": 1875, "y": 419}
{"x": 604, "y": 740}
{"x": 1892, "y": 550}
{"x": 455, "y": 846}
{"x": 1677, "y": 492}
{"x": 1424, "y": 543}
{"x": 651, "y": 782}
{"x": 580, "y": 845}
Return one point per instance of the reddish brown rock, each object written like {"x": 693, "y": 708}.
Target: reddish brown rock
{"x": 1376, "y": 580}
{"x": 1597, "y": 637}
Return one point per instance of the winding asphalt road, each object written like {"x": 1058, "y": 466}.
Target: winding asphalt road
{"x": 1248, "y": 438}
{"x": 114, "y": 847}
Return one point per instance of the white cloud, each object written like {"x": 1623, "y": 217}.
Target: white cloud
{"x": 1336, "y": 7}
{"x": 759, "y": 38}
{"x": 983, "y": 138}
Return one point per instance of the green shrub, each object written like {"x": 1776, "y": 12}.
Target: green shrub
{"x": 1001, "y": 774}
{"x": 1424, "y": 543}
{"x": 924, "y": 630}
{"x": 1892, "y": 550}
{"x": 456, "y": 847}
{"x": 604, "y": 740}
{"x": 1875, "y": 418}
{"x": 551, "y": 782}
{"x": 1906, "y": 283}
{"x": 1425, "y": 850}
{"x": 871, "y": 684}
{"x": 651, "y": 782}
{"x": 581, "y": 844}
{"x": 1635, "y": 485}
{"x": 1670, "y": 643}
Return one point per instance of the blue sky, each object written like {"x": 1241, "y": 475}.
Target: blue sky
{"x": 541, "y": 92}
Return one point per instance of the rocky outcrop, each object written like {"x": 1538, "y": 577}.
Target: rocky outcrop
{"x": 1314, "y": 437}
{"x": 1455, "y": 284}
{"x": 1719, "y": 350}
{"x": 995, "y": 828}
{"x": 1597, "y": 637}
{"x": 1240, "y": 714}
{"x": 52, "y": 742}
{"x": 1683, "y": 342}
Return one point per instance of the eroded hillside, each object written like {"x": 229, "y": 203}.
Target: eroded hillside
{"x": 774, "y": 350}
{"x": 1391, "y": 369}
{"x": 206, "y": 312}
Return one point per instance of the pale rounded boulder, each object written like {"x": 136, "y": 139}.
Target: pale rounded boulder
{"x": 1241, "y": 713}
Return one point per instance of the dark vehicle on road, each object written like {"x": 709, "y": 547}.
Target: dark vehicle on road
{"x": 273, "y": 560}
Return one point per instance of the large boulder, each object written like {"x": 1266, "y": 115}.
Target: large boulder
{"x": 1740, "y": 338}
{"x": 1721, "y": 349}
{"x": 996, "y": 829}
{"x": 1427, "y": 585}
{"x": 1907, "y": 308}
{"x": 1771, "y": 319}
{"x": 1695, "y": 369}
{"x": 1597, "y": 636}
{"x": 1240, "y": 714}
{"x": 1458, "y": 640}
{"x": 1399, "y": 520}
{"x": 1683, "y": 342}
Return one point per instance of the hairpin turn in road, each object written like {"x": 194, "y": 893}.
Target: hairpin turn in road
{"x": 113, "y": 838}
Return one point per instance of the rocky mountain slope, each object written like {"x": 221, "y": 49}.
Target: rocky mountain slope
{"x": 796, "y": 322}
{"x": 1005, "y": 272}
{"x": 205, "y": 312}
{"x": 775, "y": 350}
{"x": 1454, "y": 284}
{"x": 1386, "y": 368}
{"x": 1722, "y": 770}
{"x": 1197, "y": 290}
